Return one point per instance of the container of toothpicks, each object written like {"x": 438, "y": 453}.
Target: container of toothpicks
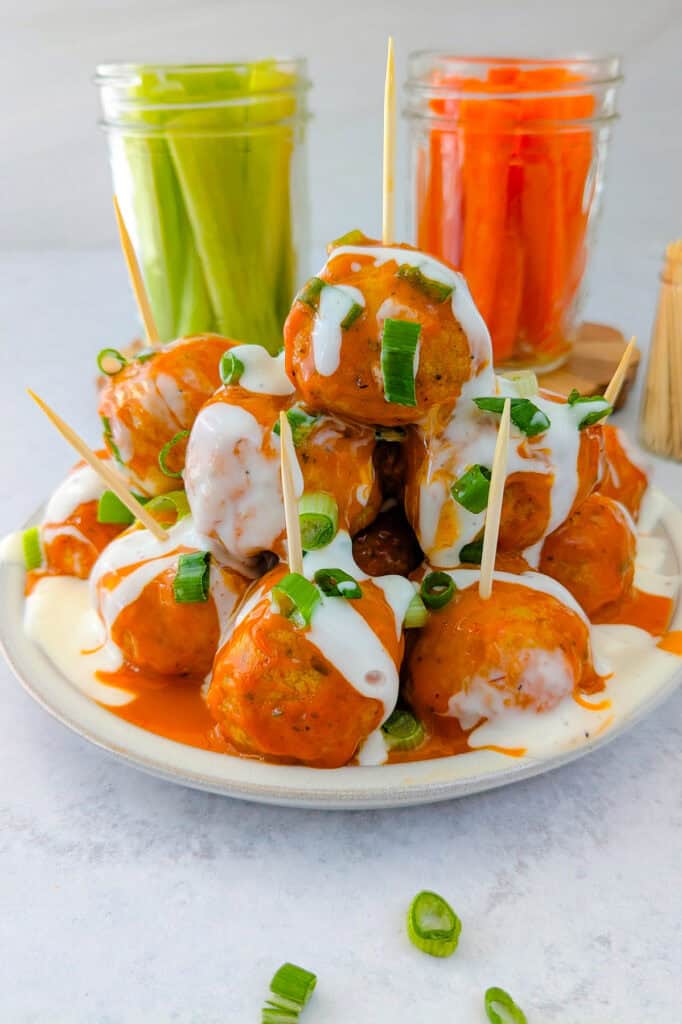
{"x": 661, "y": 414}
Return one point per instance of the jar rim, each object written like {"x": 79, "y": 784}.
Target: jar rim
{"x": 595, "y": 70}
{"x": 121, "y": 72}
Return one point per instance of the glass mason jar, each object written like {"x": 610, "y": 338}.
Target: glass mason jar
{"x": 507, "y": 170}
{"x": 209, "y": 170}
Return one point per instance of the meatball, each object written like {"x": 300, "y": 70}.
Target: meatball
{"x": 334, "y": 333}
{"x": 521, "y": 648}
{"x": 278, "y": 692}
{"x": 388, "y": 546}
{"x": 593, "y": 554}
{"x": 232, "y": 471}
{"x": 622, "y": 478}
{"x": 136, "y": 600}
{"x": 151, "y": 400}
{"x": 70, "y": 534}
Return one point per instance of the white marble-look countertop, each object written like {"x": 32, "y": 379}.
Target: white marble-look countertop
{"x": 127, "y": 899}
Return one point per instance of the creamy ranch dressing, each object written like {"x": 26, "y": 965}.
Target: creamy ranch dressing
{"x": 263, "y": 374}
{"x": 336, "y": 302}
{"x": 80, "y": 486}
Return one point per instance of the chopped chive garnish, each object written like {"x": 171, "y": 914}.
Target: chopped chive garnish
{"x": 396, "y": 434}
{"x": 144, "y": 357}
{"x": 309, "y": 294}
{"x": 33, "y": 553}
{"x": 191, "y": 583}
{"x": 169, "y": 508}
{"x": 472, "y": 553}
{"x": 110, "y": 361}
{"x": 230, "y": 368}
{"x": 295, "y": 598}
{"x": 109, "y": 439}
{"x": 318, "y": 515}
{"x": 354, "y": 237}
{"x": 526, "y": 382}
{"x": 337, "y": 583}
{"x": 435, "y": 290}
{"x": 437, "y": 589}
{"x": 402, "y": 731}
{"x": 416, "y": 615}
{"x": 351, "y": 316}
{"x": 524, "y": 414}
{"x": 398, "y": 347}
{"x": 497, "y": 997}
{"x": 604, "y": 409}
{"x": 293, "y": 986}
{"x": 432, "y": 924}
{"x": 165, "y": 452}
{"x": 301, "y": 424}
{"x": 110, "y": 509}
{"x": 472, "y": 488}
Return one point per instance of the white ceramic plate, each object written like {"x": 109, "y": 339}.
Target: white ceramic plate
{"x": 344, "y": 788}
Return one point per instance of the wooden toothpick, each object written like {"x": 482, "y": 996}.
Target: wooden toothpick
{"x": 136, "y": 281}
{"x": 293, "y": 526}
{"x": 388, "y": 190}
{"x": 616, "y": 382}
{"x": 498, "y": 476}
{"x": 113, "y": 481}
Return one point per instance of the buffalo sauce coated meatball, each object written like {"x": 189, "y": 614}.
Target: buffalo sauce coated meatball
{"x": 278, "y": 692}
{"x": 232, "y": 469}
{"x": 335, "y": 334}
{"x": 153, "y": 399}
{"x": 521, "y": 648}
{"x": 593, "y": 554}
{"x": 388, "y": 546}
{"x": 134, "y": 583}
{"x": 623, "y": 479}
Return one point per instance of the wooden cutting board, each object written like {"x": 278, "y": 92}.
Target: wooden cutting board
{"x": 595, "y": 356}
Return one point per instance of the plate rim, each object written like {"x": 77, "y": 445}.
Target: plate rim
{"x": 401, "y": 785}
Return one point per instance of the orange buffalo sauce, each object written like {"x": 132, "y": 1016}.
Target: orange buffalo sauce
{"x": 672, "y": 642}
{"x": 651, "y": 612}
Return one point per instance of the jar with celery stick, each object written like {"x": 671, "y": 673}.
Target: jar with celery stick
{"x": 209, "y": 169}
{"x": 507, "y": 169}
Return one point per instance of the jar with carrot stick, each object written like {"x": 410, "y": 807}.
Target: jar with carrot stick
{"x": 507, "y": 166}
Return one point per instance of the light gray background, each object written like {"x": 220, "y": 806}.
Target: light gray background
{"x": 125, "y": 899}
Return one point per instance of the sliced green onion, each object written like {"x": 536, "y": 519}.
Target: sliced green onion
{"x": 402, "y": 731}
{"x": 575, "y": 398}
{"x": 110, "y": 509}
{"x": 144, "y": 357}
{"x": 275, "y": 1013}
{"x": 309, "y": 294}
{"x": 191, "y": 583}
{"x": 432, "y": 924}
{"x": 337, "y": 583}
{"x": 398, "y": 346}
{"x": 471, "y": 554}
{"x": 33, "y": 552}
{"x": 416, "y": 615}
{"x": 110, "y": 355}
{"x": 513, "y": 1014}
{"x": 354, "y": 237}
{"x": 351, "y": 316}
{"x": 165, "y": 452}
{"x": 397, "y": 434}
{"x": 293, "y": 986}
{"x": 437, "y": 589}
{"x": 301, "y": 424}
{"x": 472, "y": 488}
{"x": 526, "y": 382}
{"x": 318, "y": 515}
{"x": 109, "y": 439}
{"x": 524, "y": 414}
{"x": 173, "y": 504}
{"x": 295, "y": 598}
{"x": 435, "y": 290}
{"x": 230, "y": 368}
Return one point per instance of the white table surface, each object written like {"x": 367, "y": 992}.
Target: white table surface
{"x": 125, "y": 898}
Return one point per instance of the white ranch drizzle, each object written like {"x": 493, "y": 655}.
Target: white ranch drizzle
{"x": 336, "y": 302}
{"x": 80, "y": 486}
{"x": 263, "y": 374}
